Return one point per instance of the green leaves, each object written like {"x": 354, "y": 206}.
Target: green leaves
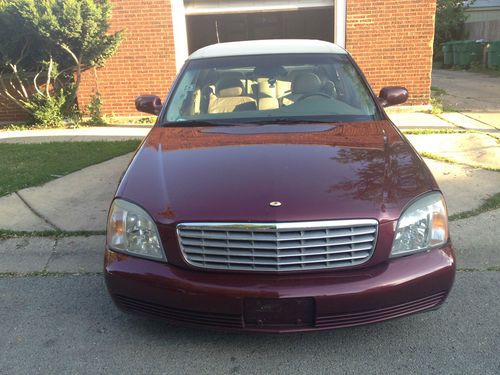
{"x": 72, "y": 34}
{"x": 78, "y": 25}
{"x": 450, "y": 20}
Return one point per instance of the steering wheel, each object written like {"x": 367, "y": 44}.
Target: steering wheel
{"x": 312, "y": 94}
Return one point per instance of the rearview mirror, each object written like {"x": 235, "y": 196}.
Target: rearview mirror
{"x": 149, "y": 104}
{"x": 392, "y": 95}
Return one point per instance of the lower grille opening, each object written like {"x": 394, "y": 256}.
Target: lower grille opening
{"x": 181, "y": 315}
{"x": 378, "y": 315}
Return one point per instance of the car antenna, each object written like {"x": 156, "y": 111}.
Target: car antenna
{"x": 217, "y": 30}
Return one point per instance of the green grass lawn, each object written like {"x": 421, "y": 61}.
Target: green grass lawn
{"x": 25, "y": 165}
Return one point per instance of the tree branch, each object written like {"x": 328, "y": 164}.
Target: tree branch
{"x": 35, "y": 83}
{"x": 21, "y": 84}
{"x": 9, "y": 96}
{"x": 49, "y": 73}
{"x": 78, "y": 72}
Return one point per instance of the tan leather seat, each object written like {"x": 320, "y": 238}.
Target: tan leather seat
{"x": 267, "y": 94}
{"x": 268, "y": 104}
{"x": 229, "y": 97}
{"x": 302, "y": 84}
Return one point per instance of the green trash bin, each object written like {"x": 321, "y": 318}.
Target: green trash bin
{"x": 472, "y": 53}
{"x": 494, "y": 55}
{"x": 455, "y": 51}
{"x": 462, "y": 58}
{"x": 448, "y": 53}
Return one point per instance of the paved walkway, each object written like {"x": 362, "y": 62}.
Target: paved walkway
{"x": 86, "y": 133}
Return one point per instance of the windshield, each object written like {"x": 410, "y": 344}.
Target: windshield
{"x": 288, "y": 87}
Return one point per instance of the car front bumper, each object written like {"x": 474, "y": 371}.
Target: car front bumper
{"x": 285, "y": 302}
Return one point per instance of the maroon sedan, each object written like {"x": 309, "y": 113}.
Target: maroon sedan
{"x": 274, "y": 195}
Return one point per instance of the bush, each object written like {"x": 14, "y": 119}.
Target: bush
{"x": 450, "y": 23}
{"x": 44, "y": 48}
{"x": 95, "y": 111}
{"x": 48, "y": 111}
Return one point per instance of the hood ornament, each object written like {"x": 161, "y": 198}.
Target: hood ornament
{"x": 275, "y": 204}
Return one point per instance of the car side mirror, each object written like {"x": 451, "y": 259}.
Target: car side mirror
{"x": 392, "y": 95}
{"x": 149, "y": 104}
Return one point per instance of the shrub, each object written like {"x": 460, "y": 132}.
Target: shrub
{"x": 450, "y": 23}
{"x": 95, "y": 111}
{"x": 48, "y": 111}
{"x": 48, "y": 44}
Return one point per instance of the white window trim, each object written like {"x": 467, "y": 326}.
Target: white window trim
{"x": 180, "y": 32}
{"x": 340, "y": 22}
{"x": 181, "y": 39}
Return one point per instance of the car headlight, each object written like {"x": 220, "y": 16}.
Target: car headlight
{"x": 131, "y": 230}
{"x": 423, "y": 225}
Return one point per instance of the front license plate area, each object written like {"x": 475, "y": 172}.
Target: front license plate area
{"x": 292, "y": 312}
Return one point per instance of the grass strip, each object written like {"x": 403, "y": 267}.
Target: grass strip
{"x": 438, "y": 91}
{"x": 444, "y": 159}
{"x": 6, "y": 234}
{"x": 434, "y": 131}
{"x": 46, "y": 274}
{"x": 489, "y": 204}
{"x": 33, "y": 164}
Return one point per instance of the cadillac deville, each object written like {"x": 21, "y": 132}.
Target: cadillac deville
{"x": 275, "y": 195}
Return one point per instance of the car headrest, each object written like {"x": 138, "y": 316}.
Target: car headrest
{"x": 306, "y": 83}
{"x": 229, "y": 87}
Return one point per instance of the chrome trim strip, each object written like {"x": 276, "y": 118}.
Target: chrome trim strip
{"x": 274, "y": 226}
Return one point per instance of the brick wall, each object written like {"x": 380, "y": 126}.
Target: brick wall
{"x": 391, "y": 41}
{"x": 145, "y": 61}
{"x": 10, "y": 112}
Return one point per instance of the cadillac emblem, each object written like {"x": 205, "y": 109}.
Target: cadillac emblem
{"x": 275, "y": 204}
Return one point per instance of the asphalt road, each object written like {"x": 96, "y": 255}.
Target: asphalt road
{"x": 68, "y": 325}
{"x": 468, "y": 90}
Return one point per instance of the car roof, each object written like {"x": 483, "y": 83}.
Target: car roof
{"x": 266, "y": 47}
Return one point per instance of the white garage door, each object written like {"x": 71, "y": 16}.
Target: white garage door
{"x": 199, "y": 7}
{"x": 186, "y": 10}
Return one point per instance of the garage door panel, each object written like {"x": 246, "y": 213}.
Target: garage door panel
{"x": 199, "y": 7}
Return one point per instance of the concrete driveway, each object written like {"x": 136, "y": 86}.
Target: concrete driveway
{"x": 474, "y": 95}
{"x": 468, "y": 91}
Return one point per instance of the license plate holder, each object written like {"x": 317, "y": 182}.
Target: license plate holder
{"x": 293, "y": 312}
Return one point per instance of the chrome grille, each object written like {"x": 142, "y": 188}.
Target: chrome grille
{"x": 278, "y": 246}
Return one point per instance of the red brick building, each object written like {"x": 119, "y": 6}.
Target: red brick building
{"x": 390, "y": 39}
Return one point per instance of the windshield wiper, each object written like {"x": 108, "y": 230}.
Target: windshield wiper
{"x": 260, "y": 121}
{"x": 285, "y": 120}
{"x": 196, "y": 123}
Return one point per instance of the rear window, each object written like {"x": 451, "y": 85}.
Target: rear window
{"x": 253, "y": 88}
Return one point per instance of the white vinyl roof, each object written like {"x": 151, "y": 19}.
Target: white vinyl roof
{"x": 266, "y": 47}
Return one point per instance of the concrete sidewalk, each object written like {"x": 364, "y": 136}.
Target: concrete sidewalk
{"x": 82, "y": 134}
{"x": 475, "y": 240}
{"x": 78, "y": 201}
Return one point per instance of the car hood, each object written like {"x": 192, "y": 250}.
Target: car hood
{"x": 317, "y": 171}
